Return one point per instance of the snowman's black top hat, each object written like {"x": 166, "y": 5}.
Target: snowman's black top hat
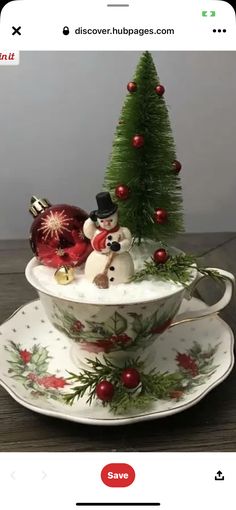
{"x": 105, "y": 205}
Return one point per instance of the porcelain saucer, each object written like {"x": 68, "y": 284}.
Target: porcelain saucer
{"x": 35, "y": 360}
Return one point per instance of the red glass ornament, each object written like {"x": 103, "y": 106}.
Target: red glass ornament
{"x": 130, "y": 378}
{"x": 105, "y": 391}
{"x": 160, "y": 256}
{"x": 122, "y": 191}
{"x": 160, "y": 90}
{"x": 56, "y": 235}
{"x": 138, "y": 141}
{"x": 176, "y": 166}
{"x": 160, "y": 216}
{"x": 132, "y": 86}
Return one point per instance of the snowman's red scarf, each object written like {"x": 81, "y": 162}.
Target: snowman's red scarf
{"x": 99, "y": 241}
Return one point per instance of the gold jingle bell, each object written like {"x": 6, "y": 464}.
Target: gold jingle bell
{"x": 64, "y": 275}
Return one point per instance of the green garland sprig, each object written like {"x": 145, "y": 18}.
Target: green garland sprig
{"x": 177, "y": 269}
{"x": 192, "y": 368}
{"x": 152, "y": 386}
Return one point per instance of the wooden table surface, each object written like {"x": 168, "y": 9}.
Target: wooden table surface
{"x": 208, "y": 426}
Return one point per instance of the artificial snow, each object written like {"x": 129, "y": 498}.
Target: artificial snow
{"x": 81, "y": 290}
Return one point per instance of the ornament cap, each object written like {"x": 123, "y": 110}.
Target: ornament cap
{"x": 38, "y": 205}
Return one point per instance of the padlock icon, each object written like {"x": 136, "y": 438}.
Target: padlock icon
{"x": 66, "y": 31}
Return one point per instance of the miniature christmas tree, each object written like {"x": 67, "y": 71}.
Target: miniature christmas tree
{"x": 142, "y": 175}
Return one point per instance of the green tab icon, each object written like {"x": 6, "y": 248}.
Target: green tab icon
{"x": 205, "y": 14}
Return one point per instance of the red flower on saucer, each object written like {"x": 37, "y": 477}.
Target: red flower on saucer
{"x": 25, "y": 356}
{"x": 188, "y": 363}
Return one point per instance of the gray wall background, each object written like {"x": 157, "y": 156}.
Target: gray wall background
{"x": 58, "y": 113}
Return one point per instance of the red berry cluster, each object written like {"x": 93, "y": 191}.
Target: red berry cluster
{"x": 130, "y": 378}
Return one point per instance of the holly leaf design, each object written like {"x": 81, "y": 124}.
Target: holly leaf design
{"x": 137, "y": 325}
{"x": 39, "y": 356}
{"x": 20, "y": 378}
{"x": 15, "y": 356}
{"x": 16, "y": 369}
{"x": 30, "y": 368}
{"x": 98, "y": 328}
{"x": 153, "y": 321}
{"x": 42, "y": 368}
{"x": 140, "y": 326}
{"x": 116, "y": 324}
{"x": 195, "y": 350}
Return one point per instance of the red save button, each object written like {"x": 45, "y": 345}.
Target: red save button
{"x": 118, "y": 475}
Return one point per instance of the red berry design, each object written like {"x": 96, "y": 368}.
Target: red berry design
{"x": 121, "y": 339}
{"x": 105, "y": 391}
{"x": 77, "y": 326}
{"x": 48, "y": 381}
{"x": 161, "y": 327}
{"x": 177, "y": 394}
{"x": 51, "y": 381}
{"x": 130, "y": 378}
{"x": 188, "y": 363}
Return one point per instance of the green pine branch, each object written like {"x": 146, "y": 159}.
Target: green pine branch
{"x": 177, "y": 269}
{"x": 152, "y": 385}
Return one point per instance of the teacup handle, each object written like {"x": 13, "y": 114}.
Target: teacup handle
{"x": 188, "y": 316}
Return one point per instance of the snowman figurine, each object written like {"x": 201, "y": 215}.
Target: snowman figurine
{"x": 110, "y": 242}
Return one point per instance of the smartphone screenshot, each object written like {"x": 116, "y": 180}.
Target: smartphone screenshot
{"x": 117, "y": 255}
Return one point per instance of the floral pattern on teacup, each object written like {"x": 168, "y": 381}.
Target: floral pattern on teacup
{"x": 117, "y": 333}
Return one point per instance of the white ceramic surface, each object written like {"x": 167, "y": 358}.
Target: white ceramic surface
{"x": 122, "y": 330}
{"x": 35, "y": 358}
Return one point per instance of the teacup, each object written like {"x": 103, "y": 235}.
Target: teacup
{"x": 122, "y": 331}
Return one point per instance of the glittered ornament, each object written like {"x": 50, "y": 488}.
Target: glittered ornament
{"x": 56, "y": 235}
{"x": 176, "y": 165}
{"x": 160, "y": 90}
{"x": 138, "y": 141}
{"x": 122, "y": 191}
{"x": 105, "y": 391}
{"x": 160, "y": 216}
{"x": 130, "y": 378}
{"x": 132, "y": 87}
{"x": 160, "y": 256}
{"x": 64, "y": 275}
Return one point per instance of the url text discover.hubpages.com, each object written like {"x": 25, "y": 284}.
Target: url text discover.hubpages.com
{"x": 124, "y": 31}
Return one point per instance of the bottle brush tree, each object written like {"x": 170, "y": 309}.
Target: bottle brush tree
{"x": 143, "y": 172}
